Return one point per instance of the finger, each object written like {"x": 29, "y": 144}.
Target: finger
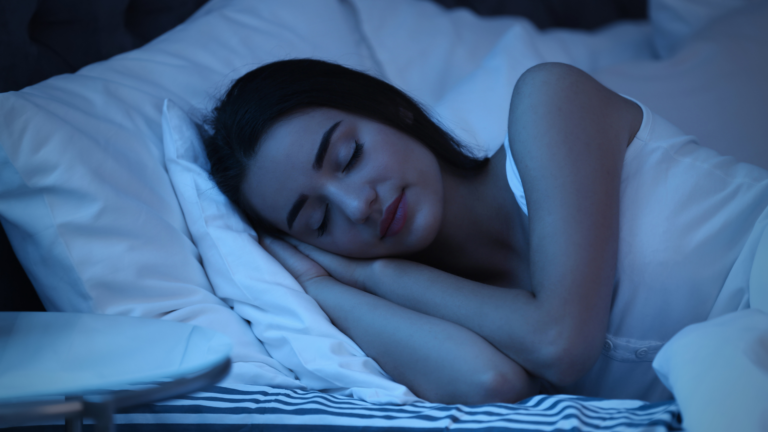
{"x": 274, "y": 242}
{"x": 296, "y": 243}
{"x": 349, "y": 271}
{"x": 290, "y": 240}
{"x": 342, "y": 268}
{"x": 307, "y": 249}
{"x": 263, "y": 237}
{"x": 275, "y": 247}
{"x": 301, "y": 267}
{"x": 317, "y": 254}
{"x": 284, "y": 253}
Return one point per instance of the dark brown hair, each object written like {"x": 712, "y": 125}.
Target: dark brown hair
{"x": 263, "y": 96}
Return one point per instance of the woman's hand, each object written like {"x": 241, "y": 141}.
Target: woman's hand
{"x": 298, "y": 265}
{"x": 349, "y": 271}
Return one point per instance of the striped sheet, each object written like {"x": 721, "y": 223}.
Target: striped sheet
{"x": 223, "y": 409}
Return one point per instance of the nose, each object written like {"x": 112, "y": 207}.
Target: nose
{"x": 355, "y": 200}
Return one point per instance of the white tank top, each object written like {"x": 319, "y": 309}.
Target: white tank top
{"x": 690, "y": 221}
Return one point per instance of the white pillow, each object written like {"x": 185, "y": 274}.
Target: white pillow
{"x": 675, "y": 21}
{"x": 291, "y": 325}
{"x": 447, "y": 44}
{"x": 718, "y": 372}
{"x": 468, "y": 65}
{"x": 488, "y": 89}
{"x": 714, "y": 86}
{"x": 84, "y": 195}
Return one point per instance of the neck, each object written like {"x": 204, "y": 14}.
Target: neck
{"x": 483, "y": 235}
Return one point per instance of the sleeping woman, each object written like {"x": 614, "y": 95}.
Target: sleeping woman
{"x": 562, "y": 262}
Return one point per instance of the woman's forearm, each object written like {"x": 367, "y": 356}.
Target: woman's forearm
{"x": 511, "y": 319}
{"x": 438, "y": 360}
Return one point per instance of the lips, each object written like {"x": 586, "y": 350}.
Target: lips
{"x": 394, "y": 217}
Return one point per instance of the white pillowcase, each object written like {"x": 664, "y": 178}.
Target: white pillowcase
{"x": 675, "y": 21}
{"x": 88, "y": 205}
{"x": 447, "y": 44}
{"x": 291, "y": 325}
{"x": 468, "y": 65}
{"x": 713, "y": 86}
{"x": 718, "y": 372}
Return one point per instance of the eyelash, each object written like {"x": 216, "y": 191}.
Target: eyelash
{"x": 355, "y": 156}
{"x": 324, "y": 224}
{"x": 352, "y": 162}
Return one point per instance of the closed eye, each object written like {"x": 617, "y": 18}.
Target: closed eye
{"x": 355, "y": 157}
{"x": 352, "y": 161}
{"x": 324, "y": 224}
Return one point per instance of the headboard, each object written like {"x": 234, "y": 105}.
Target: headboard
{"x": 41, "y": 38}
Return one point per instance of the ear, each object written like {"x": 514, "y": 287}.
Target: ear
{"x": 406, "y": 115}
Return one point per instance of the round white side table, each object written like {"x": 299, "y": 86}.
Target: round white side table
{"x": 55, "y": 364}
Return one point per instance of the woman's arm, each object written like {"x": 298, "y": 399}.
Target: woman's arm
{"x": 568, "y": 135}
{"x": 438, "y": 360}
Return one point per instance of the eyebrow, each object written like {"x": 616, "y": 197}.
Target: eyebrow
{"x": 295, "y": 209}
{"x": 317, "y": 165}
{"x": 322, "y": 149}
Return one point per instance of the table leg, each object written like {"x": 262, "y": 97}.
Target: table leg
{"x": 101, "y": 409}
{"x": 74, "y": 423}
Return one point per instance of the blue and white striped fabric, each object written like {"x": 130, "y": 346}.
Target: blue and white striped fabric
{"x": 223, "y": 409}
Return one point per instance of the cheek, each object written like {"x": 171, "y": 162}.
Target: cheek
{"x": 428, "y": 223}
{"x": 430, "y": 215}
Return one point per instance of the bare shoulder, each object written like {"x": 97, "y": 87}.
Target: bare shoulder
{"x": 560, "y": 118}
{"x": 561, "y": 92}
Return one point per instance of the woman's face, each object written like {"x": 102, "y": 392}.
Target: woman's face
{"x": 346, "y": 184}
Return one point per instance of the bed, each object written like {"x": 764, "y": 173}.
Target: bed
{"x": 104, "y": 193}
